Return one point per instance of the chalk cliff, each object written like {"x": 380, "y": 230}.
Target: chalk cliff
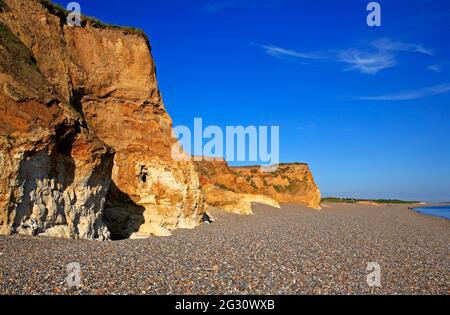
{"x": 229, "y": 188}
{"x": 85, "y": 140}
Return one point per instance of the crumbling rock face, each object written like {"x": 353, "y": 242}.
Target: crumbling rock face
{"x": 229, "y": 187}
{"x": 125, "y": 109}
{"x": 52, "y": 192}
{"x": 287, "y": 183}
{"x": 85, "y": 138}
{"x": 54, "y": 172}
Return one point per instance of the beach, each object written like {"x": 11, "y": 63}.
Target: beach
{"x": 293, "y": 250}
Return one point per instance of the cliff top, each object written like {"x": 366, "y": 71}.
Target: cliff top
{"x": 280, "y": 164}
{"x": 62, "y": 13}
{"x": 222, "y": 160}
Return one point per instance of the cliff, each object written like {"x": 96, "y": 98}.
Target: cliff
{"x": 228, "y": 187}
{"x": 85, "y": 149}
{"x": 289, "y": 183}
{"x": 86, "y": 142}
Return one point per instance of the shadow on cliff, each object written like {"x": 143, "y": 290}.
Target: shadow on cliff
{"x": 122, "y": 215}
{"x": 44, "y": 177}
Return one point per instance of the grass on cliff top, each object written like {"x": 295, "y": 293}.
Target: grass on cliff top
{"x": 380, "y": 201}
{"x": 15, "y": 46}
{"x": 62, "y": 13}
{"x": 3, "y": 6}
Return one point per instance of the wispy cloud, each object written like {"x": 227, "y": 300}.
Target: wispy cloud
{"x": 409, "y": 95}
{"x": 372, "y": 58}
{"x": 365, "y": 62}
{"x": 386, "y": 44}
{"x": 435, "y": 68}
{"x": 281, "y": 53}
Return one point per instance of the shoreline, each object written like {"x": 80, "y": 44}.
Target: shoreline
{"x": 427, "y": 210}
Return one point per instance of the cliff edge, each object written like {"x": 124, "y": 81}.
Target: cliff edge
{"x": 85, "y": 140}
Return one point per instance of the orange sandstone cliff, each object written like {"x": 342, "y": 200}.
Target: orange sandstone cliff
{"x": 85, "y": 140}
{"x": 234, "y": 188}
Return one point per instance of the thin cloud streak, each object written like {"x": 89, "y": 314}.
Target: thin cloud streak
{"x": 379, "y": 55}
{"x": 368, "y": 63}
{"x": 279, "y": 52}
{"x": 385, "y": 44}
{"x": 408, "y": 95}
{"x": 435, "y": 68}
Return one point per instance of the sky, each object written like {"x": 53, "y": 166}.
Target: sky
{"x": 367, "y": 108}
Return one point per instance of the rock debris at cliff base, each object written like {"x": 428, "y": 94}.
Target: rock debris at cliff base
{"x": 294, "y": 250}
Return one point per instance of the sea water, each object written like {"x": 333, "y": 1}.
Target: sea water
{"x": 437, "y": 211}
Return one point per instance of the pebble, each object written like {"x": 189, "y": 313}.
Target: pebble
{"x": 293, "y": 250}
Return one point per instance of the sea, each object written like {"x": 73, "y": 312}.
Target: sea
{"x": 437, "y": 211}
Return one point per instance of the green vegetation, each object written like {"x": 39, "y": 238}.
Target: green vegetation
{"x": 353, "y": 200}
{"x": 292, "y": 188}
{"x": 253, "y": 184}
{"x": 203, "y": 170}
{"x": 55, "y": 6}
{"x": 97, "y": 23}
{"x": 278, "y": 188}
{"x": 251, "y": 181}
{"x": 223, "y": 187}
{"x": 62, "y": 13}
{"x": 15, "y": 46}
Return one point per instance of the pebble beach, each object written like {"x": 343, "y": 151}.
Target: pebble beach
{"x": 293, "y": 250}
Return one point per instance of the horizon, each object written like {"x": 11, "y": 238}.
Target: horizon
{"x": 366, "y": 108}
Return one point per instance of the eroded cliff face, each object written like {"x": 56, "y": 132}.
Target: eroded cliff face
{"x": 54, "y": 172}
{"x": 85, "y": 138}
{"x": 288, "y": 183}
{"x": 230, "y": 188}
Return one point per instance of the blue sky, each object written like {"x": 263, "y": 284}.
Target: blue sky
{"x": 367, "y": 108}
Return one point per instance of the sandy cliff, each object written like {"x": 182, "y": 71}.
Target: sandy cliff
{"x": 288, "y": 183}
{"x": 86, "y": 141}
{"x": 233, "y": 188}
